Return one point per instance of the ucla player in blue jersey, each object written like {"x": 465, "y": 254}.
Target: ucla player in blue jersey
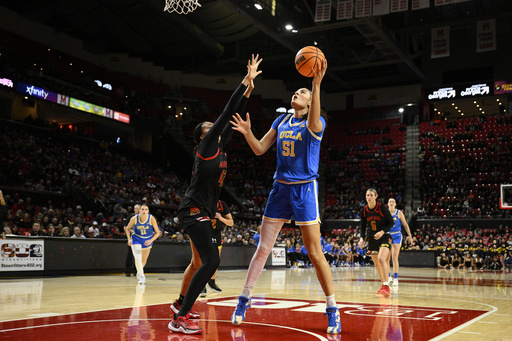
{"x": 145, "y": 232}
{"x": 396, "y": 235}
{"x": 294, "y": 193}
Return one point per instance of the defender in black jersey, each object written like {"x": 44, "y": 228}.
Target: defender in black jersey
{"x": 200, "y": 202}
{"x": 222, "y": 219}
{"x": 376, "y": 218}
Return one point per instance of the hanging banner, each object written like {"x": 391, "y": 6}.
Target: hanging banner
{"x": 345, "y": 9}
{"x": 486, "y": 35}
{"x": 420, "y": 4}
{"x": 380, "y": 7}
{"x": 440, "y": 42}
{"x": 399, "y": 5}
{"x": 363, "y": 8}
{"x": 442, "y": 2}
{"x": 323, "y": 10}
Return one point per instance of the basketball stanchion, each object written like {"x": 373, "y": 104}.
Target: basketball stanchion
{"x": 181, "y": 6}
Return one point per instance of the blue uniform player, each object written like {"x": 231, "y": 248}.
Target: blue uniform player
{"x": 145, "y": 232}
{"x": 396, "y": 236}
{"x": 294, "y": 193}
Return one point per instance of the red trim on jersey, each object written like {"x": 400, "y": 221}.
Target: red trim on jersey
{"x": 208, "y": 158}
{"x": 377, "y": 206}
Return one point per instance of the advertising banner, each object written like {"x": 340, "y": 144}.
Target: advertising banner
{"x": 460, "y": 91}
{"x": 502, "y": 87}
{"x": 22, "y": 255}
{"x": 85, "y": 106}
{"x": 278, "y": 256}
{"x": 34, "y": 91}
{"x": 119, "y": 116}
{"x": 7, "y": 82}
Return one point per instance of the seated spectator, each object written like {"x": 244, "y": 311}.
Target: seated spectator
{"x": 65, "y": 232}
{"x": 36, "y": 230}
{"x": 77, "y": 233}
{"x": 7, "y": 232}
{"x": 51, "y": 232}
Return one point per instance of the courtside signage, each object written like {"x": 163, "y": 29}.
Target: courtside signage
{"x": 22, "y": 255}
{"x": 278, "y": 256}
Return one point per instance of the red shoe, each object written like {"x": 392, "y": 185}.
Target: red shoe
{"x": 193, "y": 315}
{"x": 385, "y": 291}
{"x": 181, "y": 324}
{"x": 379, "y": 291}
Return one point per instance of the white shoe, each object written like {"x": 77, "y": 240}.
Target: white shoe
{"x": 395, "y": 282}
{"x": 142, "y": 279}
{"x": 390, "y": 280}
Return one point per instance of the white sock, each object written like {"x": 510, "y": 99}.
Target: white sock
{"x": 330, "y": 301}
{"x": 137, "y": 255}
{"x": 386, "y": 283}
{"x": 247, "y": 291}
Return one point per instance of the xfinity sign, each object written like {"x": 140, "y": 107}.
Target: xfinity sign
{"x": 37, "y": 92}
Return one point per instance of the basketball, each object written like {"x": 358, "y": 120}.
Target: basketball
{"x": 308, "y": 57}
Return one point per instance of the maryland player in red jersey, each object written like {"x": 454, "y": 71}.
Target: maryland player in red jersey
{"x": 376, "y": 218}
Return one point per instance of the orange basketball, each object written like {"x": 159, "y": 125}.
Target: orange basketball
{"x": 308, "y": 57}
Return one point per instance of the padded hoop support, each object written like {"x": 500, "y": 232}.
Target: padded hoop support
{"x": 181, "y": 6}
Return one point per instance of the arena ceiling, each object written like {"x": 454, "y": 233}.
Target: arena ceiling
{"x": 218, "y": 38}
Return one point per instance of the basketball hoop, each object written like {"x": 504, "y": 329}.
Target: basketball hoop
{"x": 181, "y": 6}
{"x": 505, "y": 197}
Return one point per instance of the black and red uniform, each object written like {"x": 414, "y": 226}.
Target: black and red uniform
{"x": 377, "y": 219}
{"x": 200, "y": 201}
{"x": 217, "y": 224}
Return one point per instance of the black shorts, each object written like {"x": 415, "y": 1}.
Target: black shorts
{"x": 374, "y": 245}
{"x": 197, "y": 216}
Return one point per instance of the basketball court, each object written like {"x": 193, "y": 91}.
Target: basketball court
{"x": 429, "y": 304}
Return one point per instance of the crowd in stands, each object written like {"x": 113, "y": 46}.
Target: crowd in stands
{"x": 22, "y": 217}
{"x": 359, "y": 158}
{"x": 462, "y": 164}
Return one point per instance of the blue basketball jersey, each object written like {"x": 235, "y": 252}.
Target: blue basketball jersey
{"x": 398, "y": 223}
{"x": 143, "y": 230}
{"x": 298, "y": 149}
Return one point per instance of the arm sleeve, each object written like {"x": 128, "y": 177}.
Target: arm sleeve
{"x": 228, "y": 131}
{"x": 363, "y": 225}
{"x": 209, "y": 146}
{"x": 388, "y": 219}
{"x": 225, "y": 208}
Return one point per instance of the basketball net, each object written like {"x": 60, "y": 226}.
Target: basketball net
{"x": 181, "y": 6}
